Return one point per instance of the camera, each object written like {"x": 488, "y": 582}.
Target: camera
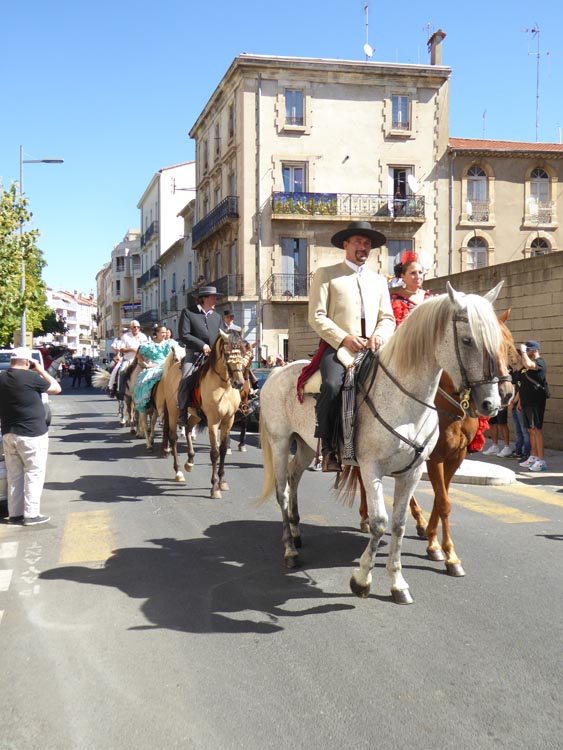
{"x": 31, "y": 364}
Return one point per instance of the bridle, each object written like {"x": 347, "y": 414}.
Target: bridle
{"x": 234, "y": 362}
{"x": 490, "y": 376}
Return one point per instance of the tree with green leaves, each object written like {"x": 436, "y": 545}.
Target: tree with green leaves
{"x": 17, "y": 241}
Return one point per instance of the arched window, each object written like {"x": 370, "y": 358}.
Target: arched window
{"x": 539, "y": 185}
{"x": 477, "y": 253}
{"x": 539, "y": 246}
{"x": 477, "y": 194}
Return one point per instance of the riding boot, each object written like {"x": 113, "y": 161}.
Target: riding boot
{"x": 331, "y": 461}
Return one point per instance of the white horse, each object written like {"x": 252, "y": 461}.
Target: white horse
{"x": 396, "y": 421}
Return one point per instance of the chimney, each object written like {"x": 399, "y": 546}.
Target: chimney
{"x": 435, "y": 47}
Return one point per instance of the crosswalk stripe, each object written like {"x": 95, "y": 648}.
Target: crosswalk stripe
{"x": 8, "y": 550}
{"x": 497, "y": 511}
{"x": 5, "y": 579}
{"x": 534, "y": 493}
{"x": 87, "y": 537}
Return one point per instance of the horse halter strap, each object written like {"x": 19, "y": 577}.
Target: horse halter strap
{"x": 488, "y": 377}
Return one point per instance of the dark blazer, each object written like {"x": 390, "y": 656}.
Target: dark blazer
{"x": 196, "y": 329}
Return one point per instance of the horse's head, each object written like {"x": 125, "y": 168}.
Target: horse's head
{"x": 476, "y": 337}
{"x": 230, "y": 350}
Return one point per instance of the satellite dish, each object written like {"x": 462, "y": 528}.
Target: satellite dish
{"x": 368, "y": 50}
{"x": 413, "y": 183}
{"x": 425, "y": 260}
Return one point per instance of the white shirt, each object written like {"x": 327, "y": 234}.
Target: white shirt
{"x": 128, "y": 341}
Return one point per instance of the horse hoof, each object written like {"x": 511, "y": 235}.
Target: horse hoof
{"x": 358, "y": 589}
{"x": 436, "y": 555}
{"x": 242, "y": 448}
{"x": 224, "y": 486}
{"x": 421, "y": 531}
{"x": 188, "y": 467}
{"x": 364, "y": 527}
{"x": 180, "y": 477}
{"x": 402, "y": 596}
{"x": 455, "y": 569}
{"x": 229, "y": 452}
{"x": 291, "y": 561}
{"x": 122, "y": 422}
{"x": 216, "y": 495}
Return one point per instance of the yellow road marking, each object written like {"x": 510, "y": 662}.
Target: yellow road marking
{"x": 87, "y": 537}
{"x": 534, "y": 493}
{"x": 494, "y": 510}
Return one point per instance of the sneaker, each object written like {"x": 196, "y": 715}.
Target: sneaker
{"x": 36, "y": 520}
{"x": 492, "y": 450}
{"x": 519, "y": 456}
{"x": 538, "y": 465}
{"x": 505, "y": 452}
{"x": 528, "y": 462}
{"x": 15, "y": 519}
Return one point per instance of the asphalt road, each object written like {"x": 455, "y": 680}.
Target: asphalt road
{"x": 146, "y": 614}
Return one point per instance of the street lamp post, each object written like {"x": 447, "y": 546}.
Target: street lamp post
{"x": 22, "y": 280}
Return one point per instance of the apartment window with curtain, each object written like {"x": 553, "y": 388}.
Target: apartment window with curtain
{"x": 400, "y": 112}
{"x": 540, "y": 203}
{"x": 293, "y": 176}
{"x": 477, "y": 207}
{"x": 477, "y": 253}
{"x": 294, "y": 112}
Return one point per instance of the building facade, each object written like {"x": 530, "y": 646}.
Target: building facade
{"x": 161, "y": 227}
{"x": 506, "y": 200}
{"x": 289, "y": 151}
{"x": 80, "y": 315}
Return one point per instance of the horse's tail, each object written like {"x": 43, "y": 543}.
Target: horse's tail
{"x": 269, "y": 482}
{"x": 348, "y": 483}
{"x": 100, "y": 379}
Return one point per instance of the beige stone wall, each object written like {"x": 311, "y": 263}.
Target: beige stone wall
{"x": 533, "y": 290}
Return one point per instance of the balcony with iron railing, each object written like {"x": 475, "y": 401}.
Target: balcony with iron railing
{"x": 347, "y": 205}
{"x": 164, "y": 308}
{"x": 227, "y": 287}
{"x": 539, "y": 212}
{"x": 149, "y": 316}
{"x": 152, "y": 273}
{"x": 147, "y": 236}
{"x": 173, "y": 302}
{"x": 287, "y": 287}
{"x": 225, "y": 211}
{"x": 478, "y": 211}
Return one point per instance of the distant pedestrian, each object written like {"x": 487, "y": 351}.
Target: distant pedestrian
{"x": 533, "y": 394}
{"x": 77, "y": 373}
{"x": 88, "y": 368}
{"x": 25, "y": 435}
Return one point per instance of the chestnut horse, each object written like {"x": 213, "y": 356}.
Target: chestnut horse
{"x": 219, "y": 388}
{"x": 457, "y": 429}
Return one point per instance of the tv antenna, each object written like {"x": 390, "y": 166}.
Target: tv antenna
{"x": 535, "y": 32}
{"x": 368, "y": 49}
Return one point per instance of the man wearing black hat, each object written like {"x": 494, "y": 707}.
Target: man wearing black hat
{"x": 533, "y": 393}
{"x": 349, "y": 305}
{"x": 197, "y": 332}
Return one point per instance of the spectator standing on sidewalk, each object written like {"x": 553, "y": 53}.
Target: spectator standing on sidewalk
{"x": 25, "y": 435}
{"x": 521, "y": 436}
{"x": 499, "y": 424}
{"x": 533, "y": 395}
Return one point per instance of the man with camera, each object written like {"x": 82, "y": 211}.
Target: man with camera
{"x": 25, "y": 436}
{"x": 533, "y": 394}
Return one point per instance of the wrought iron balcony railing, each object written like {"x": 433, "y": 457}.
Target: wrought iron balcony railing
{"x": 287, "y": 286}
{"x": 152, "y": 273}
{"x": 173, "y": 302}
{"x": 227, "y": 286}
{"x": 539, "y": 212}
{"x": 149, "y": 234}
{"x": 163, "y": 308}
{"x": 223, "y": 212}
{"x": 348, "y": 204}
{"x": 477, "y": 211}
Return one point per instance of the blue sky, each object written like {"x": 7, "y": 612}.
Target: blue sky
{"x": 113, "y": 88}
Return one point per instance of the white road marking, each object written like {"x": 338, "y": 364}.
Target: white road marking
{"x": 5, "y": 579}
{"x": 8, "y": 550}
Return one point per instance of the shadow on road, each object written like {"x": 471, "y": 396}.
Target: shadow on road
{"x": 231, "y": 581}
{"x": 100, "y": 488}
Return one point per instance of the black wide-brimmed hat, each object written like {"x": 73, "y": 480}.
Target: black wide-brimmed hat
{"x": 361, "y": 228}
{"x": 208, "y": 291}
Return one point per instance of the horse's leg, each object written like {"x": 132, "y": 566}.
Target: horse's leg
{"x": 441, "y": 475}
{"x": 173, "y": 440}
{"x": 360, "y": 581}
{"x": 301, "y": 460}
{"x": 418, "y": 515}
{"x": 192, "y": 422}
{"x": 280, "y": 456}
{"x": 404, "y": 488}
{"x": 223, "y": 444}
{"x": 364, "y": 517}
{"x": 215, "y": 453}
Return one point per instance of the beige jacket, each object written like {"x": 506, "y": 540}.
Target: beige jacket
{"x": 335, "y": 304}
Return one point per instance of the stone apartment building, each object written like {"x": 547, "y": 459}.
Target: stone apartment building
{"x": 290, "y": 150}
{"x": 506, "y": 201}
{"x": 161, "y": 227}
{"x": 79, "y": 313}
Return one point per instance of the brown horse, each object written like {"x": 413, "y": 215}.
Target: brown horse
{"x": 219, "y": 387}
{"x": 457, "y": 430}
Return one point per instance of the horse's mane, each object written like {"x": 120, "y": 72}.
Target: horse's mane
{"x": 176, "y": 354}
{"x": 426, "y": 326}
{"x": 218, "y": 350}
